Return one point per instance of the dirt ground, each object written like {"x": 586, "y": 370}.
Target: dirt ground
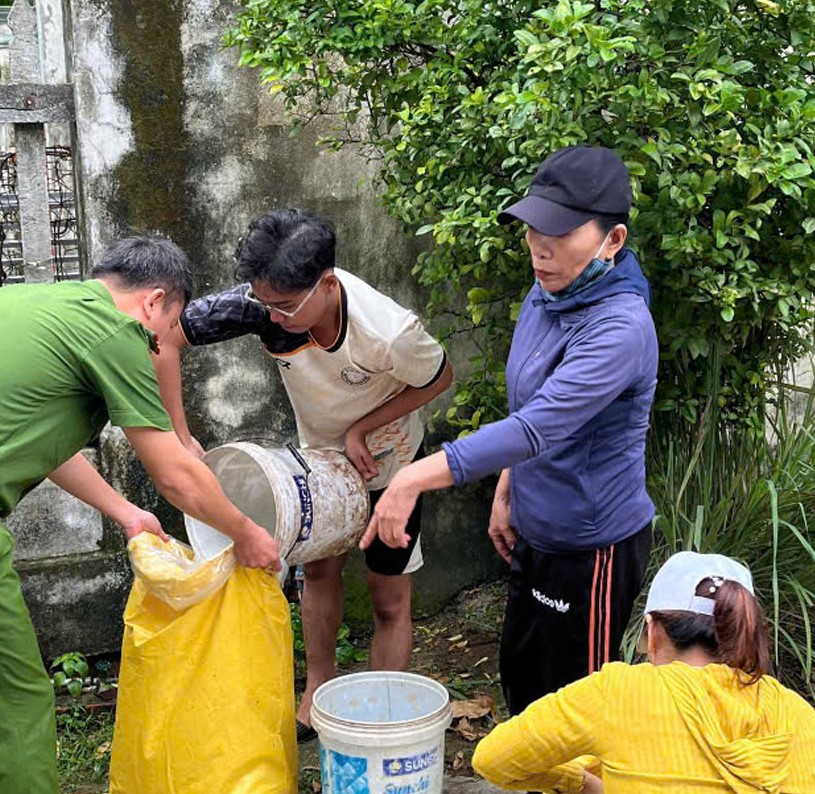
{"x": 459, "y": 648}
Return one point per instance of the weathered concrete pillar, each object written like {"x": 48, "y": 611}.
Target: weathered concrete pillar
{"x": 30, "y": 142}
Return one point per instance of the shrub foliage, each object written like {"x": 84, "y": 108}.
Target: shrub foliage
{"x": 710, "y": 104}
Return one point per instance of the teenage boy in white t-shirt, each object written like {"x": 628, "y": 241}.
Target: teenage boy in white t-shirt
{"x": 356, "y": 367}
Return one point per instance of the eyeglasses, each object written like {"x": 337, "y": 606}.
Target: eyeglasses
{"x": 250, "y": 296}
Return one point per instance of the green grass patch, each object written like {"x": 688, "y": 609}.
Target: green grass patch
{"x": 83, "y": 747}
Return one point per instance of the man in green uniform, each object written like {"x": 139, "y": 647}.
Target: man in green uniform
{"x": 74, "y": 356}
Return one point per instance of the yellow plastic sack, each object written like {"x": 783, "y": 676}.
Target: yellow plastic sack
{"x": 206, "y": 694}
{"x": 171, "y": 572}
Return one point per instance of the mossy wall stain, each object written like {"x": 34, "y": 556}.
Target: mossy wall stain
{"x": 150, "y": 181}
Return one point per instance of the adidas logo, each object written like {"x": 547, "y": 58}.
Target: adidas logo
{"x": 558, "y": 604}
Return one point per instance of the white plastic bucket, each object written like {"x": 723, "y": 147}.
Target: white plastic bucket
{"x": 313, "y": 502}
{"x": 381, "y": 733}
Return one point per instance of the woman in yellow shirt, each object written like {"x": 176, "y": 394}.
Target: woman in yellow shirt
{"x": 703, "y": 716}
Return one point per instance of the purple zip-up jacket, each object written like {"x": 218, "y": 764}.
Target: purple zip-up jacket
{"x": 581, "y": 376}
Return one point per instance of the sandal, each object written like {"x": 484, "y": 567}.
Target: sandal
{"x": 305, "y": 733}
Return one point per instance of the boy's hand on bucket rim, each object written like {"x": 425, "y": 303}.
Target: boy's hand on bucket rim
{"x": 356, "y": 450}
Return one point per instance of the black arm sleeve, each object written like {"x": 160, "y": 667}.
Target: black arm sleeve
{"x": 225, "y": 315}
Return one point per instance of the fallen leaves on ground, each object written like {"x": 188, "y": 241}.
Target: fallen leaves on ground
{"x": 465, "y": 712}
{"x": 466, "y": 730}
{"x": 473, "y": 709}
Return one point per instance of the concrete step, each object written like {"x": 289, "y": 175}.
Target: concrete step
{"x": 454, "y": 784}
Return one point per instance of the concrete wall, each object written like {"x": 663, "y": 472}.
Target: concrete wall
{"x": 74, "y": 573}
{"x": 174, "y": 137}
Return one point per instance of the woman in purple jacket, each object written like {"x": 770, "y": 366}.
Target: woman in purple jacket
{"x": 571, "y": 514}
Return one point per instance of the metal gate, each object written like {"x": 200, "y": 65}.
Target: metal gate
{"x": 39, "y": 229}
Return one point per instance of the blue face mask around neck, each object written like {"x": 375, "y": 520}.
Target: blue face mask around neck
{"x": 594, "y": 271}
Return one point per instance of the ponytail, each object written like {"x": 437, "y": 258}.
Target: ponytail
{"x": 741, "y": 630}
{"x": 736, "y": 634}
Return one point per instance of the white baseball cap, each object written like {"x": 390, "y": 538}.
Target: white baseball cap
{"x": 674, "y": 586}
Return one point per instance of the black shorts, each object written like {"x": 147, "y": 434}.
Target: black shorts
{"x": 566, "y": 614}
{"x": 381, "y": 558}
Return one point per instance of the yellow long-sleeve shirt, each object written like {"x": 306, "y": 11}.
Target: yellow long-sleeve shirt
{"x": 656, "y": 729}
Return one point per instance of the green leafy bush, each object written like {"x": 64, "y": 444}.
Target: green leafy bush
{"x": 70, "y": 671}
{"x": 709, "y": 103}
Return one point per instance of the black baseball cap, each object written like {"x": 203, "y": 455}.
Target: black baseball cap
{"x": 571, "y": 187}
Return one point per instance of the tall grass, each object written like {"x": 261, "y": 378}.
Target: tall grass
{"x": 723, "y": 489}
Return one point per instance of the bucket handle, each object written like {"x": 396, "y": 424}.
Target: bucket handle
{"x": 299, "y": 458}
{"x": 295, "y": 453}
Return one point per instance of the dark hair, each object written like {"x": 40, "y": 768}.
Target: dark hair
{"x": 147, "y": 260}
{"x": 735, "y": 635}
{"x": 288, "y": 249}
{"x": 608, "y": 222}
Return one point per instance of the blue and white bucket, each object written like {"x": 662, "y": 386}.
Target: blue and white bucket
{"x": 381, "y": 733}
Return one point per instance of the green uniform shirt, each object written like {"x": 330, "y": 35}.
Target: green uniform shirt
{"x": 69, "y": 362}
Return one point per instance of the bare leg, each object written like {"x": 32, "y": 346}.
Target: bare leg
{"x": 322, "y": 614}
{"x": 393, "y": 627}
